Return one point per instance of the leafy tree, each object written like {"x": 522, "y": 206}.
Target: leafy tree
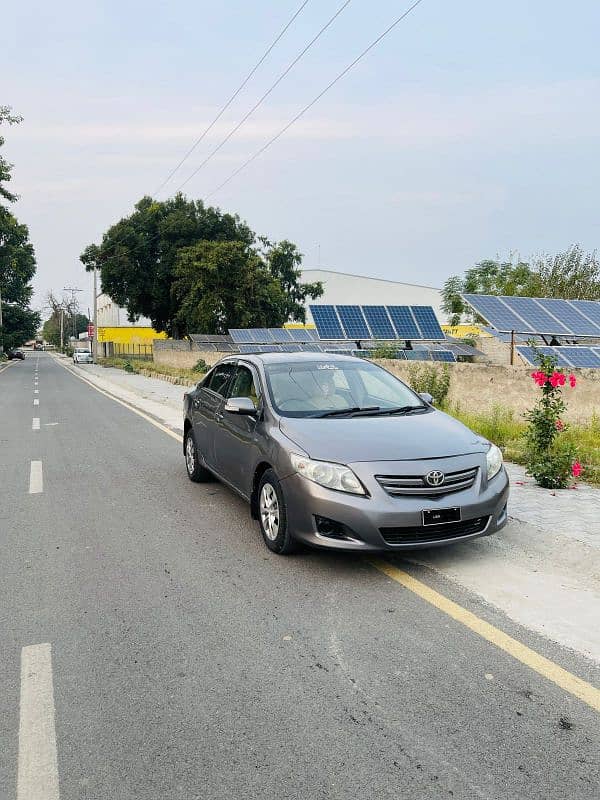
{"x": 138, "y": 255}
{"x": 572, "y": 274}
{"x": 221, "y": 285}
{"x": 17, "y": 261}
{"x": 73, "y": 322}
{"x": 284, "y": 260}
{"x": 5, "y": 167}
{"x": 19, "y": 325}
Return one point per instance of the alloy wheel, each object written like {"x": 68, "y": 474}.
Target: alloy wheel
{"x": 269, "y": 512}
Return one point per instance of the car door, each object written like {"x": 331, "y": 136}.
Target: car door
{"x": 207, "y": 406}
{"x": 237, "y": 441}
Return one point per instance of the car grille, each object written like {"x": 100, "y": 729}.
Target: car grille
{"x": 415, "y": 484}
{"x": 422, "y": 534}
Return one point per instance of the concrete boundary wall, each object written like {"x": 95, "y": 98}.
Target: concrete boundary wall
{"x": 473, "y": 387}
{"x": 481, "y": 387}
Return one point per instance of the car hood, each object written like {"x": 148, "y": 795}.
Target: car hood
{"x": 348, "y": 440}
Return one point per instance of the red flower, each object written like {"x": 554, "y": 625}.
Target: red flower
{"x": 562, "y": 380}
{"x": 572, "y": 380}
{"x": 539, "y": 377}
{"x": 554, "y": 379}
{"x": 560, "y": 425}
{"x": 576, "y": 469}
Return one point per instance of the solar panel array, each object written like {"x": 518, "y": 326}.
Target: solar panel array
{"x": 273, "y": 335}
{"x": 376, "y": 322}
{"x": 538, "y": 314}
{"x": 579, "y": 356}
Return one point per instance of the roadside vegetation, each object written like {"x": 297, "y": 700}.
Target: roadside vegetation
{"x": 136, "y": 365}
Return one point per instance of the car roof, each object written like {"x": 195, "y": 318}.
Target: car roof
{"x": 289, "y": 358}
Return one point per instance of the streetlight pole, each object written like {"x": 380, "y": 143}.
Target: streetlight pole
{"x": 74, "y": 307}
{"x": 95, "y": 339}
{"x": 1, "y": 331}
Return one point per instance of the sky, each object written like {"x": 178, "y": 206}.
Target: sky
{"x": 470, "y": 132}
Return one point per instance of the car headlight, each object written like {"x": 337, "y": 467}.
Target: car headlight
{"x": 325, "y": 473}
{"x": 493, "y": 458}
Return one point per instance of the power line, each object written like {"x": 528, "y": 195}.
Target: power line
{"x": 315, "y": 100}
{"x": 232, "y": 98}
{"x": 266, "y": 94}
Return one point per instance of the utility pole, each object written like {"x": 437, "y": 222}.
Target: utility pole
{"x": 1, "y": 331}
{"x": 95, "y": 339}
{"x": 62, "y": 314}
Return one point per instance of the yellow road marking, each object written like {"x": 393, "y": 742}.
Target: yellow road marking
{"x": 135, "y": 410}
{"x": 543, "y": 666}
{"x": 6, "y": 366}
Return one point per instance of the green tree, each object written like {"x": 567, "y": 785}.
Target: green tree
{"x": 6, "y": 117}
{"x": 138, "y": 255}
{"x": 20, "y": 324}
{"x": 17, "y": 261}
{"x": 221, "y": 285}
{"x": 284, "y": 260}
{"x": 572, "y": 274}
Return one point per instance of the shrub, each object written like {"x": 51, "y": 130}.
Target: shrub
{"x": 385, "y": 350}
{"x": 430, "y": 378}
{"x": 129, "y": 367}
{"x": 550, "y": 457}
{"x": 200, "y": 366}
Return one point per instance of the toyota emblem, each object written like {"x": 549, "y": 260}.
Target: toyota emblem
{"x": 434, "y": 478}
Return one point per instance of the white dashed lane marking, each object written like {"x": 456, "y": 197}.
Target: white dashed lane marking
{"x": 36, "y": 402}
{"x": 35, "y": 425}
{"x": 36, "y": 478}
{"x": 37, "y": 777}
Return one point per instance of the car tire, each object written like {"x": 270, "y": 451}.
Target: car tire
{"x": 196, "y": 472}
{"x": 272, "y": 516}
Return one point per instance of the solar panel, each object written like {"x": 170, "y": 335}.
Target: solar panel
{"x": 379, "y": 322}
{"x": 403, "y": 322}
{"x": 567, "y": 312}
{"x": 298, "y": 334}
{"x": 497, "y": 313}
{"x": 328, "y": 325}
{"x": 580, "y": 356}
{"x": 443, "y": 355}
{"x": 538, "y": 315}
{"x": 427, "y": 322}
{"x": 353, "y": 322}
{"x": 280, "y": 334}
{"x": 417, "y": 355}
{"x": 241, "y": 336}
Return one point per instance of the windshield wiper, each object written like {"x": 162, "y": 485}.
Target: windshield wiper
{"x": 338, "y": 412}
{"x": 379, "y": 412}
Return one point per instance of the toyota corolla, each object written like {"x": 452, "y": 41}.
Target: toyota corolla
{"x": 333, "y": 451}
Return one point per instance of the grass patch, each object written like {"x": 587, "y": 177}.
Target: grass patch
{"x": 136, "y": 364}
{"x": 504, "y": 428}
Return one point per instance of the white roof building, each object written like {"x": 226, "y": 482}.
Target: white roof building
{"x": 344, "y": 289}
{"x": 110, "y": 315}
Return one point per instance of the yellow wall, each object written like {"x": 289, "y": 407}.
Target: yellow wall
{"x": 128, "y": 335}
{"x": 459, "y": 331}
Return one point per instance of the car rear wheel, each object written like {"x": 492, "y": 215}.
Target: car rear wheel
{"x": 196, "y": 472}
{"x": 272, "y": 515}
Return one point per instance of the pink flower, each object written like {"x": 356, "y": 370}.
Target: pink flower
{"x": 539, "y": 377}
{"x": 560, "y": 425}
{"x": 572, "y": 381}
{"x": 555, "y": 379}
{"x": 562, "y": 380}
{"x": 576, "y": 469}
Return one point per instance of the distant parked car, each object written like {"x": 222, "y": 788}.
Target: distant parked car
{"x": 333, "y": 451}
{"x": 82, "y": 357}
{"x": 16, "y": 354}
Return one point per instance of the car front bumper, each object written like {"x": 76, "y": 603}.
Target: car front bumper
{"x": 384, "y": 522}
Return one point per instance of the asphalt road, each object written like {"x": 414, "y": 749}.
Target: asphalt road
{"x": 187, "y": 661}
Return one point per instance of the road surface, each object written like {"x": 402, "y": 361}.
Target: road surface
{"x": 153, "y": 649}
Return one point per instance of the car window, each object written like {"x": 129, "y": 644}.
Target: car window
{"x": 219, "y": 378}
{"x": 244, "y": 385}
{"x": 378, "y": 389}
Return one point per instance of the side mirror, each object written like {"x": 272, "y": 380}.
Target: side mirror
{"x": 241, "y": 405}
{"x": 427, "y": 397}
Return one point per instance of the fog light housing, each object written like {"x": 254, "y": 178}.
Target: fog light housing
{"x": 332, "y": 529}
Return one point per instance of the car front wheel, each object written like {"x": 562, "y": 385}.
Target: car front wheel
{"x": 272, "y": 515}
{"x": 195, "y": 470}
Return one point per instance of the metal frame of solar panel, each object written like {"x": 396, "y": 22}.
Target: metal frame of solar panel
{"x": 538, "y": 315}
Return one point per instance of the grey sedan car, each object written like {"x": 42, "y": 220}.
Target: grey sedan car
{"x": 333, "y": 451}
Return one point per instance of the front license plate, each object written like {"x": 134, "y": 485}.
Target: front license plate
{"x": 438, "y": 516}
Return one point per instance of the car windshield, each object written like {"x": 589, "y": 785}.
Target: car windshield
{"x": 338, "y": 388}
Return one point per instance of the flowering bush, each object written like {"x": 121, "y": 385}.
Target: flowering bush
{"x": 550, "y": 460}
